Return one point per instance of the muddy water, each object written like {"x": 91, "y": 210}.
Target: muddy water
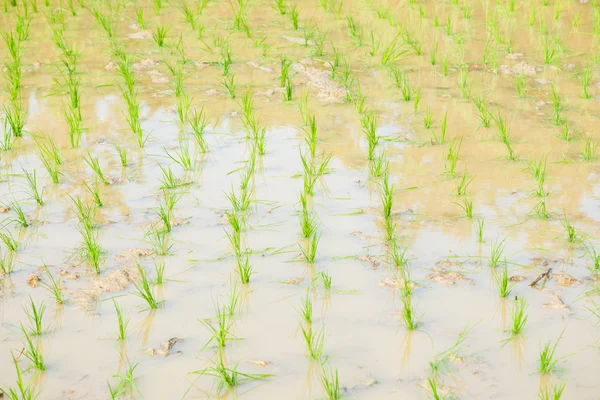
{"x": 366, "y": 340}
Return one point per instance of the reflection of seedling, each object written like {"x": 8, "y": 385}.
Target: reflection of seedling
{"x": 306, "y": 309}
{"x": 552, "y": 392}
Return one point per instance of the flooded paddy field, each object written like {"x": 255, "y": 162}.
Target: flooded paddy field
{"x": 313, "y": 200}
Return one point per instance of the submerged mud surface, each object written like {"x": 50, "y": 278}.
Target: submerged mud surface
{"x": 394, "y": 179}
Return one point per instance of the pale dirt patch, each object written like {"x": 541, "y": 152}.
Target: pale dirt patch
{"x": 260, "y": 363}
{"x": 133, "y": 254}
{"x": 165, "y": 348}
{"x": 140, "y": 35}
{"x": 255, "y": 65}
{"x": 157, "y": 77}
{"x": 564, "y": 279}
{"x": 520, "y": 68}
{"x": 442, "y": 274}
{"x": 395, "y": 283}
{"x": 328, "y": 90}
{"x": 556, "y": 303}
{"x": 144, "y": 64}
{"x": 114, "y": 281}
{"x": 33, "y": 280}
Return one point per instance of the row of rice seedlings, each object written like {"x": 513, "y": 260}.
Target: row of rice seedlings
{"x": 14, "y": 112}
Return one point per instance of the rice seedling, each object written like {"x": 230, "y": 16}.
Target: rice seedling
{"x": 139, "y": 17}
{"x": 199, "y": 121}
{"x": 244, "y": 268}
{"x": 463, "y": 84}
{"x": 584, "y": 79}
{"x": 504, "y": 134}
{"x": 165, "y": 210}
{"x": 479, "y": 225}
{"x": 287, "y": 94}
{"x": 35, "y": 315}
{"x": 280, "y": 6}
{"x": 33, "y": 352}
{"x": 159, "y": 35}
{"x": 445, "y": 65}
{"x": 7, "y": 264}
{"x": 442, "y": 137}
{"x": 356, "y": 32}
{"x": 433, "y": 386}
{"x": 94, "y": 164}
{"x": 428, "y": 118}
{"x": 22, "y": 391}
{"x": 504, "y": 285}
{"x": 408, "y": 312}
{"x": 20, "y": 219}
{"x": 14, "y": 117}
{"x": 126, "y": 385}
{"x": 547, "y": 361}
{"x": 239, "y": 16}
{"x": 557, "y": 106}
{"x": 393, "y": 52}
{"x": 368, "y": 123}
{"x": 326, "y": 279}
{"x": 229, "y": 378}
{"x": 159, "y": 240}
{"x": 294, "y": 16}
{"x": 570, "y": 232}
{"x": 11, "y": 243}
{"x": 433, "y": 50}
{"x": 496, "y": 251}
{"x": 53, "y": 286}
{"x": 588, "y": 152}
{"x": 549, "y": 49}
{"x": 466, "y": 205}
{"x": 90, "y": 250}
{"x": 314, "y": 339}
{"x": 518, "y": 317}
{"x": 220, "y": 331}
{"x": 553, "y": 392}
{"x": 463, "y": 184}
{"x": 144, "y": 290}
{"x": 23, "y": 24}
{"x": 379, "y": 165}
{"x": 452, "y": 156}
{"x": 34, "y": 192}
{"x": 312, "y": 172}
{"x": 593, "y": 255}
{"x": 310, "y": 253}
{"x": 565, "y": 132}
{"x": 387, "y": 196}
{"x": 330, "y": 382}
{"x": 182, "y": 156}
{"x": 73, "y": 118}
{"x": 226, "y": 60}
{"x": 306, "y": 309}
{"x": 521, "y": 85}
{"x": 308, "y": 223}
{"x": 399, "y": 255}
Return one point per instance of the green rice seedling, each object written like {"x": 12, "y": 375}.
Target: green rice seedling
{"x": 557, "y": 106}
{"x": 463, "y": 83}
{"x": 374, "y": 45}
{"x": 448, "y": 26}
{"x": 133, "y": 117}
{"x": 433, "y": 51}
{"x": 588, "y": 152}
{"x": 122, "y": 321}
{"x": 220, "y": 331}
{"x": 20, "y": 219}
{"x": 593, "y": 255}
{"x": 159, "y": 240}
{"x": 126, "y": 385}
{"x": 319, "y": 43}
{"x": 428, "y": 118}
{"x": 326, "y": 279}
{"x": 294, "y": 16}
{"x": 399, "y": 255}
{"x": 144, "y": 290}
{"x": 229, "y": 378}
{"x": 565, "y": 132}
{"x": 314, "y": 339}
{"x": 122, "y": 152}
{"x": 229, "y": 84}
{"x": 85, "y": 212}
{"x": 35, "y": 315}
{"x": 549, "y": 50}
{"x": 182, "y": 156}
{"x": 7, "y": 264}
{"x": 168, "y": 179}
{"x": 49, "y": 148}
{"x": 53, "y": 286}
{"x": 239, "y": 203}
{"x": 504, "y": 284}
{"x": 139, "y": 17}
{"x": 379, "y": 165}
{"x": 496, "y": 252}
{"x": 521, "y": 85}
{"x": 547, "y": 361}
{"x": 308, "y": 223}
{"x": 331, "y": 383}
{"x": 540, "y": 209}
{"x": 244, "y": 268}
{"x": 442, "y": 138}
{"x": 387, "y": 196}
{"x": 33, "y": 352}
{"x": 287, "y": 94}
{"x": 313, "y": 172}
{"x": 226, "y": 60}
{"x": 34, "y": 192}
{"x": 178, "y": 73}
{"x": 75, "y": 126}
{"x": 504, "y": 134}
{"x": 285, "y": 65}
{"x": 518, "y": 317}
{"x": 183, "y": 107}
{"x": 90, "y": 250}
{"x": 22, "y": 391}
{"x": 306, "y": 309}
{"x": 105, "y": 22}
{"x": 199, "y": 121}
{"x": 452, "y": 156}
{"x": 94, "y": 164}
{"x": 467, "y": 206}
{"x": 159, "y": 35}
{"x": 240, "y": 22}
{"x": 479, "y": 225}
{"x": 188, "y": 15}
{"x": 368, "y": 123}
{"x": 553, "y": 392}
{"x": 50, "y": 165}
{"x": 280, "y": 6}
{"x": 356, "y": 32}
{"x": 14, "y": 117}
{"x": 433, "y": 386}
{"x": 570, "y": 232}
{"x": 584, "y": 79}
{"x": 445, "y": 65}
{"x": 417, "y": 99}
{"x": 310, "y": 253}
{"x": 22, "y": 27}
{"x": 408, "y": 312}
{"x": 235, "y": 235}
{"x": 463, "y": 184}
{"x": 393, "y": 52}
{"x": 11, "y": 243}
